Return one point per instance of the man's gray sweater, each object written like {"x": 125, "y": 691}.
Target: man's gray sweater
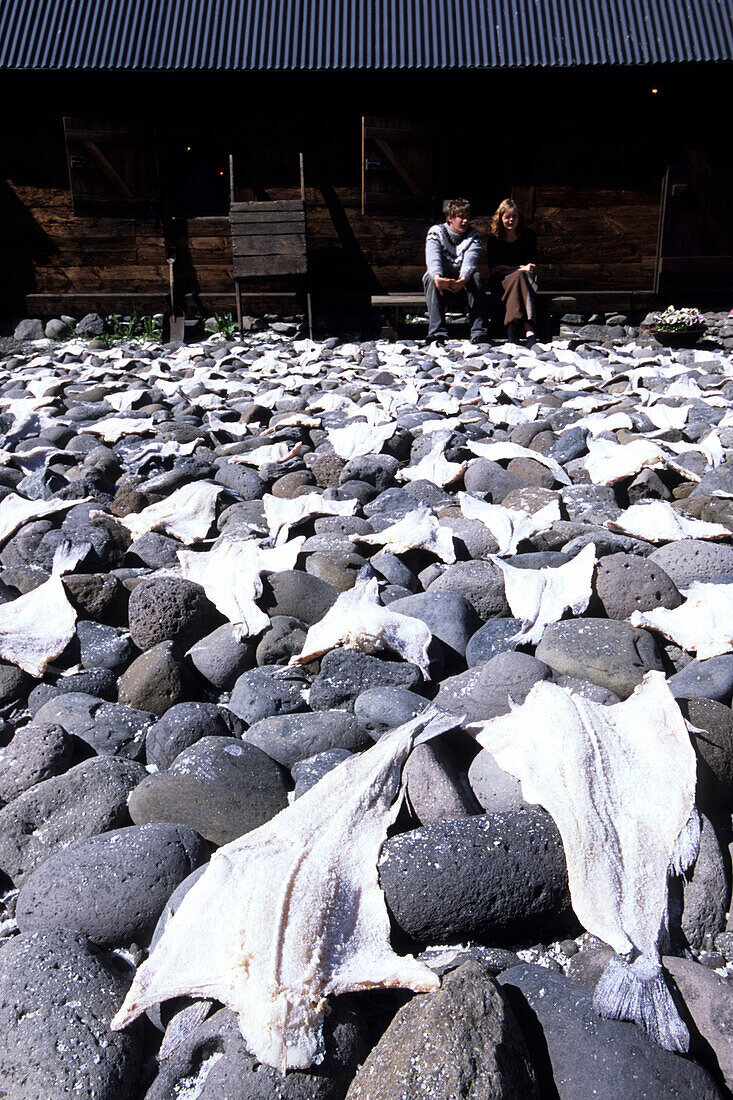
{"x": 450, "y": 254}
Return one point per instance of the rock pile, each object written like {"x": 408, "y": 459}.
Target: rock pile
{"x": 175, "y": 524}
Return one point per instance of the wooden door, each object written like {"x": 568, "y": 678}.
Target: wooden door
{"x": 396, "y": 163}
{"x": 110, "y": 167}
{"x": 695, "y": 243}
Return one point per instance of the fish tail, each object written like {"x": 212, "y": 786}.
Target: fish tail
{"x": 637, "y": 991}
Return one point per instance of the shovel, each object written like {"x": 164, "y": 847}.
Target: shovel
{"x": 176, "y": 321}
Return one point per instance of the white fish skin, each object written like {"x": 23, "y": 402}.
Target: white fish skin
{"x": 434, "y": 466}
{"x": 657, "y": 521}
{"x": 187, "y": 513}
{"x": 357, "y": 620}
{"x": 619, "y": 782}
{"x": 292, "y": 912}
{"x": 360, "y": 438}
{"x": 509, "y": 525}
{"x": 419, "y": 529}
{"x": 113, "y": 428}
{"x": 541, "y": 596}
{"x": 498, "y": 451}
{"x": 16, "y": 510}
{"x": 703, "y": 624}
{"x": 282, "y": 514}
{"x": 230, "y": 574}
{"x": 274, "y": 452}
{"x": 37, "y": 626}
{"x": 609, "y": 462}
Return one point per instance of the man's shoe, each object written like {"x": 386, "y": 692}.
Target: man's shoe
{"x": 480, "y": 338}
{"x": 438, "y": 338}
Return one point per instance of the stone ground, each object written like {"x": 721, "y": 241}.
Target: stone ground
{"x": 149, "y": 717}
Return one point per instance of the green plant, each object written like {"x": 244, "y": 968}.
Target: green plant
{"x": 150, "y": 329}
{"x": 226, "y": 325}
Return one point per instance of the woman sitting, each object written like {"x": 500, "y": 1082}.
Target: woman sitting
{"x": 511, "y": 251}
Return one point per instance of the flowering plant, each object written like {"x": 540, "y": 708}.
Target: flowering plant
{"x": 676, "y": 320}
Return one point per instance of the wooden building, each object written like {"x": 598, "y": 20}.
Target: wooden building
{"x": 129, "y": 126}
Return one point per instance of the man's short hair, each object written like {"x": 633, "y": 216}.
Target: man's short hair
{"x": 453, "y": 207}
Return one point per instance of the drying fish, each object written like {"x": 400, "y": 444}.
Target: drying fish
{"x": 36, "y": 627}
{"x": 357, "y": 620}
{"x": 665, "y": 417}
{"x": 283, "y": 513}
{"x": 418, "y": 530}
{"x": 619, "y": 782}
{"x": 434, "y": 466}
{"x": 497, "y": 451}
{"x": 187, "y": 514}
{"x": 703, "y": 624}
{"x": 230, "y": 574}
{"x": 292, "y": 912}
{"x": 275, "y": 452}
{"x": 609, "y": 462}
{"x": 657, "y": 521}
{"x": 360, "y": 438}
{"x": 541, "y": 596}
{"x": 16, "y": 510}
{"x": 114, "y": 427}
{"x": 509, "y": 526}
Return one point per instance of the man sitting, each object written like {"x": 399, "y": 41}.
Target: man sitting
{"x": 452, "y": 252}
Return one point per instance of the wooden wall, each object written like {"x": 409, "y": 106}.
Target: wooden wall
{"x": 593, "y": 198}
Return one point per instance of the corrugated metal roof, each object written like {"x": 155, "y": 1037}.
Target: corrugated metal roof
{"x": 257, "y": 35}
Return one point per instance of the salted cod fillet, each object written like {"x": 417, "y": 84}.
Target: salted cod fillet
{"x": 619, "y": 782}
{"x": 293, "y": 911}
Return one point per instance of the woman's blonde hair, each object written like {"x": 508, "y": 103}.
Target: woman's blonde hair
{"x": 497, "y": 226}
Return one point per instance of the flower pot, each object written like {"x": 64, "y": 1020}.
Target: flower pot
{"x": 684, "y": 338}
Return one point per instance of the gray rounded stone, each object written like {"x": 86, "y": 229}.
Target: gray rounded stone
{"x": 625, "y": 583}
{"x": 706, "y": 890}
{"x": 298, "y": 594}
{"x": 479, "y": 582}
{"x": 220, "y": 657}
{"x": 183, "y": 725}
{"x": 485, "y": 476}
{"x": 449, "y": 616}
{"x": 307, "y": 773}
{"x": 156, "y": 680}
{"x": 574, "y": 1050}
{"x": 460, "y": 1041}
{"x": 99, "y": 683}
{"x": 264, "y": 692}
{"x": 379, "y": 709}
{"x": 102, "y": 646}
{"x": 435, "y": 785}
{"x": 86, "y": 800}
{"x": 690, "y": 560}
{"x": 712, "y": 736}
{"x": 214, "y": 1062}
{"x": 710, "y": 679}
{"x": 111, "y": 729}
{"x": 110, "y": 887}
{"x": 58, "y": 994}
{"x": 484, "y": 691}
{"x": 289, "y": 738}
{"x": 612, "y": 654}
{"x": 282, "y": 640}
{"x": 494, "y": 637}
{"x": 346, "y": 673}
{"x": 170, "y": 609}
{"x": 492, "y": 876}
{"x": 495, "y": 789}
{"x": 220, "y": 786}
{"x": 36, "y": 752}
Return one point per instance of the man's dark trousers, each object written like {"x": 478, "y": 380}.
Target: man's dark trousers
{"x": 478, "y": 312}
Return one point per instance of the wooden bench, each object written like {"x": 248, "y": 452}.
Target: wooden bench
{"x": 552, "y": 302}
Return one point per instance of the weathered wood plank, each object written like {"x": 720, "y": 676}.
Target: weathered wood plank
{"x": 251, "y": 266}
